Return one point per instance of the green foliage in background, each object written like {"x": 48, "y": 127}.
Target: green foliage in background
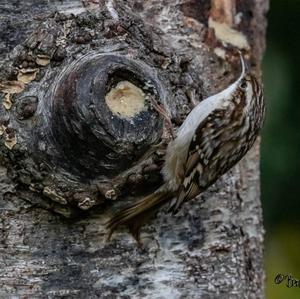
{"x": 281, "y": 147}
{"x": 281, "y": 138}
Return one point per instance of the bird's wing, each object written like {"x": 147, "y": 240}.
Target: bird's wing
{"x": 204, "y": 144}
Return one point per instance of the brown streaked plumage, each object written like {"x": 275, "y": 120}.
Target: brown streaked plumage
{"x": 217, "y": 133}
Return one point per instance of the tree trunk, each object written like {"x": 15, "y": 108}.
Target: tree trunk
{"x": 72, "y": 153}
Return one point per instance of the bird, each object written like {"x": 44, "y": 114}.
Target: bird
{"x": 214, "y": 137}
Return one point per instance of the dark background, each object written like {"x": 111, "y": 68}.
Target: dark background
{"x": 280, "y": 166}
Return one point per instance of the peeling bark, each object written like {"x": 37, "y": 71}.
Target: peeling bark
{"x": 68, "y": 161}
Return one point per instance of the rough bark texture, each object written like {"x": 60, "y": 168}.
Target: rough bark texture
{"x": 68, "y": 162}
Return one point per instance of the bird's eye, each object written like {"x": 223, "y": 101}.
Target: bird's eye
{"x": 243, "y": 85}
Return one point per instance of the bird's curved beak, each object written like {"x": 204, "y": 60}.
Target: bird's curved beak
{"x": 244, "y": 64}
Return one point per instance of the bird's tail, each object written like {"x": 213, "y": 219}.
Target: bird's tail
{"x": 137, "y": 214}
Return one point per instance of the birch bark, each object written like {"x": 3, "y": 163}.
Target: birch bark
{"x": 214, "y": 247}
